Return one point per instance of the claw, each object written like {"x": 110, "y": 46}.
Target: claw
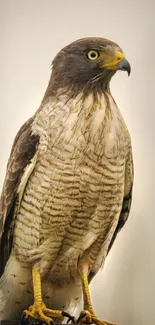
{"x": 90, "y": 318}
{"x": 51, "y": 322}
{"x": 82, "y": 315}
{"x": 26, "y": 320}
{"x": 22, "y": 317}
{"x": 70, "y": 318}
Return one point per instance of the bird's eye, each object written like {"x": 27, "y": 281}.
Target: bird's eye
{"x": 92, "y": 55}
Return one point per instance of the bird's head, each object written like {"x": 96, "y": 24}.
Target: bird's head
{"x": 87, "y": 65}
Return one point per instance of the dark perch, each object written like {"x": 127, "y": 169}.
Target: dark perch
{"x": 32, "y": 321}
{"x": 24, "y": 322}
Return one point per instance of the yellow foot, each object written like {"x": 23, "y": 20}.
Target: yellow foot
{"x": 87, "y": 318}
{"x": 41, "y": 312}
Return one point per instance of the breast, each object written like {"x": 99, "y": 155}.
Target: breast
{"x": 76, "y": 187}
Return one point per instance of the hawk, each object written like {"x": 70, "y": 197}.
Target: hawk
{"x": 67, "y": 190}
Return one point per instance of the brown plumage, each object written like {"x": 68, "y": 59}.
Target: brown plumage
{"x": 68, "y": 185}
{"x": 23, "y": 150}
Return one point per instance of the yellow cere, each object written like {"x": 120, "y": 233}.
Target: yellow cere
{"x": 112, "y": 61}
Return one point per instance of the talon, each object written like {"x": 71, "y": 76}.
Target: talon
{"x": 90, "y": 318}
{"x": 72, "y": 318}
{"x": 51, "y": 322}
{"x": 42, "y": 314}
{"x": 27, "y": 320}
{"x": 23, "y": 318}
{"x": 82, "y": 315}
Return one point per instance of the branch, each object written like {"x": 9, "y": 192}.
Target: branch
{"x": 27, "y": 321}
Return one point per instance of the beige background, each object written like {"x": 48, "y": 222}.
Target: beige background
{"x": 31, "y": 33}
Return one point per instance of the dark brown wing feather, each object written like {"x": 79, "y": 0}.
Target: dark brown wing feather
{"x": 123, "y": 216}
{"x": 126, "y": 205}
{"x": 23, "y": 150}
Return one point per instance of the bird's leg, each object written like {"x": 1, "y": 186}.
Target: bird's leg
{"x": 39, "y": 310}
{"x": 87, "y": 316}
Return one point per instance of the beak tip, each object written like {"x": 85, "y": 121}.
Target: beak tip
{"x": 128, "y": 69}
{"x": 124, "y": 65}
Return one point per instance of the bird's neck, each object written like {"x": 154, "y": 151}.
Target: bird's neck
{"x": 72, "y": 87}
{"x": 88, "y": 117}
{"x": 62, "y": 100}
{"x": 69, "y": 94}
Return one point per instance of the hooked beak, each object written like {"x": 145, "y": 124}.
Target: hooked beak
{"x": 117, "y": 61}
{"x": 124, "y": 65}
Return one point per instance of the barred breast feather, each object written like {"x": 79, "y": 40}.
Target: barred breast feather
{"x": 74, "y": 194}
{"x": 73, "y": 199}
